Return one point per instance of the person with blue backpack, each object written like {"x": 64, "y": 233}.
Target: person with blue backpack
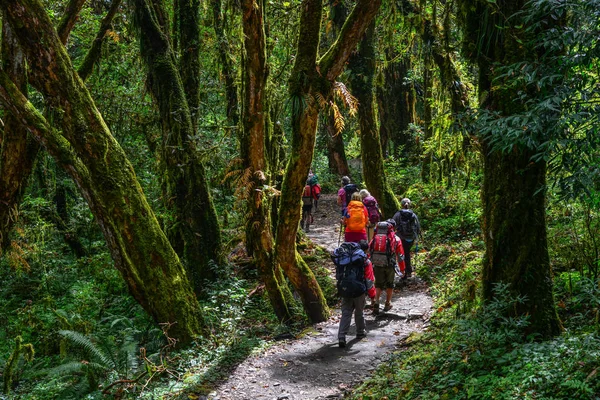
{"x": 408, "y": 229}
{"x": 354, "y": 275}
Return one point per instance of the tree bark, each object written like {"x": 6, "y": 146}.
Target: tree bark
{"x": 259, "y": 239}
{"x": 310, "y": 80}
{"x": 196, "y": 229}
{"x": 92, "y": 157}
{"x": 18, "y": 150}
{"x": 362, "y": 65}
{"x": 513, "y": 194}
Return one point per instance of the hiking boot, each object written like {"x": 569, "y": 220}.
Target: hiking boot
{"x": 387, "y": 307}
{"x": 376, "y": 309}
{"x": 361, "y": 335}
{"x": 342, "y": 343}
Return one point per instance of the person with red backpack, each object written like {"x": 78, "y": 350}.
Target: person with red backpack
{"x": 387, "y": 256}
{"x": 355, "y": 219}
{"x": 310, "y": 197}
{"x": 372, "y": 210}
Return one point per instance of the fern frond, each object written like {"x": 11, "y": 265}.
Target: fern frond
{"x": 87, "y": 346}
{"x": 342, "y": 92}
{"x": 68, "y": 368}
{"x": 338, "y": 119}
{"x": 320, "y": 100}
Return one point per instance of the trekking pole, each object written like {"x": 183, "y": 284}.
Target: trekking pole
{"x": 340, "y": 237}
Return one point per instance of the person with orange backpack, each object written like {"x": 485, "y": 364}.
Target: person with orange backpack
{"x": 387, "y": 255}
{"x": 355, "y": 219}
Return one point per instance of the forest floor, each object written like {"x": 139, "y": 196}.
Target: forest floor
{"x": 313, "y": 366}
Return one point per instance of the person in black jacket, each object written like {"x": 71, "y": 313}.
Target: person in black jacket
{"x": 409, "y": 229}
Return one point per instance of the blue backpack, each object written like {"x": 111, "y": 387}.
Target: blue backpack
{"x": 349, "y": 260}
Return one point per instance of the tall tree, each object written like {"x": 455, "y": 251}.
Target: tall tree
{"x": 227, "y": 70}
{"x": 92, "y": 157}
{"x": 312, "y": 79}
{"x": 514, "y": 184}
{"x": 18, "y": 150}
{"x": 362, "y": 65}
{"x": 259, "y": 238}
{"x": 196, "y": 234}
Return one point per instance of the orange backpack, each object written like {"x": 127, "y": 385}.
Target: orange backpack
{"x": 356, "y": 221}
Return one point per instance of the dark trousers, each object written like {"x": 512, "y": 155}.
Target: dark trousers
{"x": 407, "y": 245}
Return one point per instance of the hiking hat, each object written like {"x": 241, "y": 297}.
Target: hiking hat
{"x": 345, "y": 180}
{"x": 405, "y": 202}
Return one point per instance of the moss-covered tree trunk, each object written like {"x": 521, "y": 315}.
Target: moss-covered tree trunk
{"x": 311, "y": 80}
{"x": 92, "y": 157}
{"x": 362, "y": 65}
{"x": 396, "y": 102}
{"x": 227, "y": 70}
{"x": 18, "y": 150}
{"x": 259, "y": 239}
{"x": 93, "y": 54}
{"x": 514, "y": 218}
{"x": 195, "y": 233}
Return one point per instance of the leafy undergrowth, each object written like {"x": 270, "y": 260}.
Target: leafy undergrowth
{"x": 471, "y": 351}
{"x": 92, "y": 340}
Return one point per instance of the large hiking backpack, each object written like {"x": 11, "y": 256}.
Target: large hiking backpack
{"x": 307, "y": 195}
{"x": 406, "y": 225}
{"x": 349, "y": 189}
{"x": 349, "y": 260}
{"x": 372, "y": 209}
{"x": 356, "y": 220}
{"x": 380, "y": 247}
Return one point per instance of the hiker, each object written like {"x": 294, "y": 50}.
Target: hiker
{"x": 354, "y": 274}
{"x": 345, "y": 193}
{"x": 310, "y": 196}
{"x": 409, "y": 229}
{"x": 313, "y": 181}
{"x": 373, "y": 212}
{"x": 355, "y": 219}
{"x": 387, "y": 256}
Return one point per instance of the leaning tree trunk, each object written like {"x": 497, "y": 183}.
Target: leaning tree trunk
{"x": 514, "y": 217}
{"x": 18, "y": 150}
{"x": 92, "y": 157}
{"x": 362, "y": 65}
{"x": 309, "y": 82}
{"x": 197, "y": 231}
{"x": 259, "y": 239}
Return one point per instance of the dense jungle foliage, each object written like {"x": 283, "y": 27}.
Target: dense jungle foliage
{"x": 153, "y": 155}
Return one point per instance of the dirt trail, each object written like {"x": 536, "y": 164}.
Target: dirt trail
{"x": 313, "y": 367}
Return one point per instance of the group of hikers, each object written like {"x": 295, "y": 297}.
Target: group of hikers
{"x": 373, "y": 252}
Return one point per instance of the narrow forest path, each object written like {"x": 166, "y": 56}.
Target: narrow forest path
{"x": 313, "y": 367}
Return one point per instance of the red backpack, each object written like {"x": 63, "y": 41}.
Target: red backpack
{"x": 380, "y": 247}
{"x": 372, "y": 209}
